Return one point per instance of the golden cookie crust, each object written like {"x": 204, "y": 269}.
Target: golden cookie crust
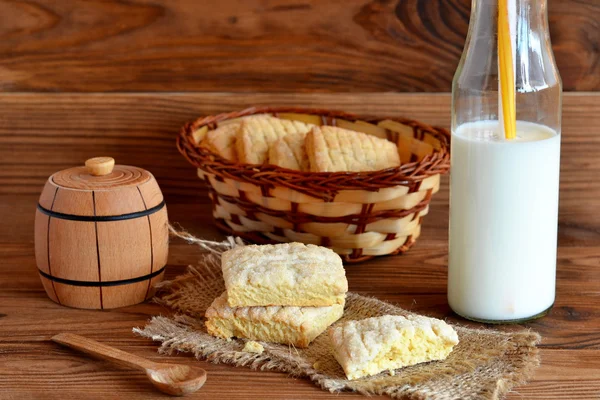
{"x": 222, "y": 141}
{"x": 289, "y": 274}
{"x": 373, "y": 345}
{"x": 333, "y": 149}
{"x": 257, "y": 134}
{"x": 297, "y": 326}
{"x": 289, "y": 152}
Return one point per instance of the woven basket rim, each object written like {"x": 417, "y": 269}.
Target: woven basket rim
{"x": 317, "y": 184}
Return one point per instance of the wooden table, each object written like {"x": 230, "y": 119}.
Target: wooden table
{"x": 43, "y": 133}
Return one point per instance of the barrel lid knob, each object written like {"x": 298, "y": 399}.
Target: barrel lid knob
{"x": 99, "y": 166}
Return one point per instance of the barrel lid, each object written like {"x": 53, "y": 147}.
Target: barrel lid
{"x": 100, "y": 173}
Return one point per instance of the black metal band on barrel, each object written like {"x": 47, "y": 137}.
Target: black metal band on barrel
{"x": 101, "y": 284}
{"x": 101, "y": 218}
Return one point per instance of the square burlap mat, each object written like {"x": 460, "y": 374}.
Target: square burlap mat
{"x": 486, "y": 364}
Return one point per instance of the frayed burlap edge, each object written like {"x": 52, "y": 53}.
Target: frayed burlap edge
{"x": 485, "y": 365}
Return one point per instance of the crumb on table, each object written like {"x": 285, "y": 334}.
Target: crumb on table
{"x": 253, "y": 347}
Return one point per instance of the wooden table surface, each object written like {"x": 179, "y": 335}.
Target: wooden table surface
{"x": 44, "y": 133}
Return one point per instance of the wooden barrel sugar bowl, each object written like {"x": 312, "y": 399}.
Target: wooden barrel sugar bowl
{"x": 101, "y": 235}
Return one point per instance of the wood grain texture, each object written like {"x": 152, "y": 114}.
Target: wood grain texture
{"x": 74, "y": 202}
{"x": 99, "y": 166}
{"x": 79, "y": 178}
{"x": 140, "y": 130}
{"x": 125, "y": 249}
{"x": 261, "y": 45}
{"x": 173, "y": 379}
{"x": 150, "y": 193}
{"x": 72, "y": 248}
{"x": 74, "y": 296}
{"x": 100, "y": 251}
{"x": 122, "y": 201}
{"x": 159, "y": 232}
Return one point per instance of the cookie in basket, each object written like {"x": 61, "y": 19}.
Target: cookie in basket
{"x": 289, "y": 152}
{"x": 332, "y": 149}
{"x": 222, "y": 141}
{"x": 256, "y": 135}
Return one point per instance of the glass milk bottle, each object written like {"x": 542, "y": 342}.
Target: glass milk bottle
{"x": 504, "y": 192}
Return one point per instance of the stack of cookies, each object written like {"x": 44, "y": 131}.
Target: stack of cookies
{"x": 303, "y": 146}
{"x": 287, "y": 293}
{"x": 291, "y": 293}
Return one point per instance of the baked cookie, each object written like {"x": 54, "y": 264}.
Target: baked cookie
{"x": 257, "y": 134}
{"x": 288, "y": 274}
{"x": 289, "y": 152}
{"x": 297, "y": 326}
{"x": 372, "y": 345}
{"x": 332, "y": 149}
{"x": 222, "y": 140}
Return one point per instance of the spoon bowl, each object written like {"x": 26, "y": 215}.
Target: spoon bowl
{"x": 177, "y": 380}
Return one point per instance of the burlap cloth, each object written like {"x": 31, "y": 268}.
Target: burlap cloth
{"x": 486, "y": 364}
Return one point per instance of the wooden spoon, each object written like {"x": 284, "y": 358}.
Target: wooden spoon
{"x": 174, "y": 379}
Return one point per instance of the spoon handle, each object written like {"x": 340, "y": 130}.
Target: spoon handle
{"x": 103, "y": 351}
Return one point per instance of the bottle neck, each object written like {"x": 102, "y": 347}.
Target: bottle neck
{"x": 529, "y": 16}
{"x": 537, "y": 81}
{"x": 530, "y": 43}
{"x": 533, "y": 16}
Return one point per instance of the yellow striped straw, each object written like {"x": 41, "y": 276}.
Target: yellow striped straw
{"x": 507, "y": 74}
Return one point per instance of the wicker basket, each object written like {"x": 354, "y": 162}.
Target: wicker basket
{"x": 358, "y": 214}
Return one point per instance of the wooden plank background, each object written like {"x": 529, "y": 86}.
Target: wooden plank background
{"x": 261, "y": 45}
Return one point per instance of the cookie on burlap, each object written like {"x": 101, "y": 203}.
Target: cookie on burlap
{"x": 372, "y": 345}
{"x": 297, "y": 326}
{"x": 285, "y": 274}
{"x": 332, "y": 149}
{"x": 289, "y": 152}
{"x": 257, "y": 134}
